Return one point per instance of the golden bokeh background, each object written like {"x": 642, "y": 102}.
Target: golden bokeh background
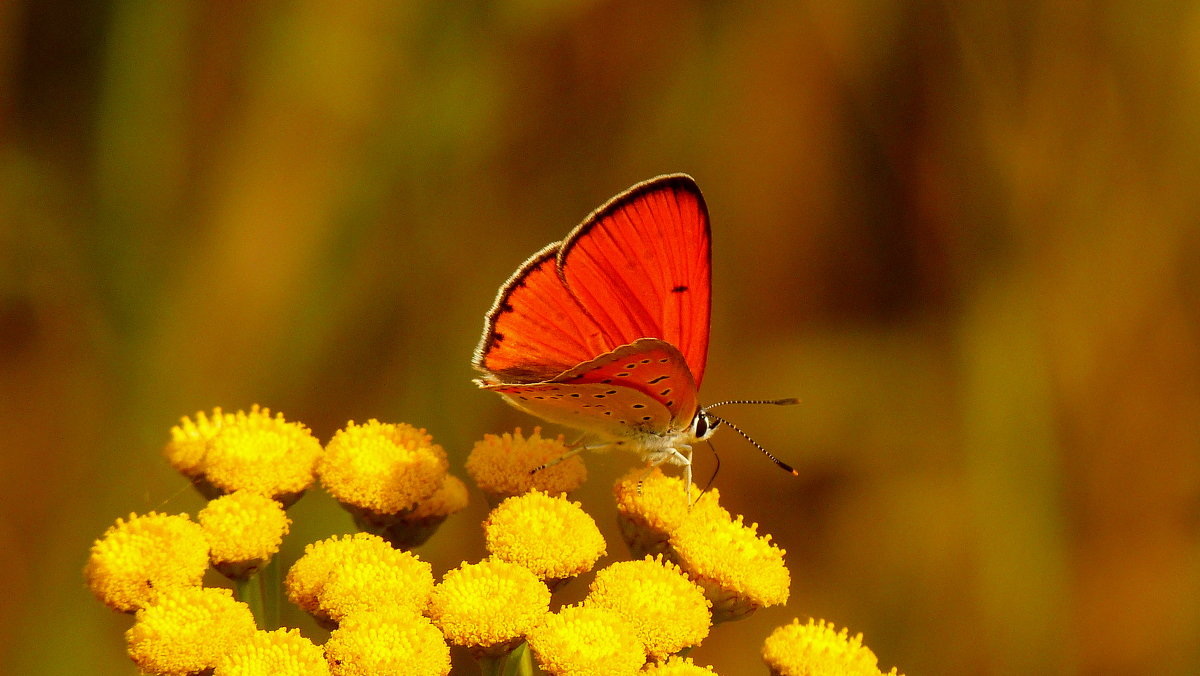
{"x": 965, "y": 234}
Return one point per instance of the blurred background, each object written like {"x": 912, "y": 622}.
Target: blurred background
{"x": 965, "y": 234}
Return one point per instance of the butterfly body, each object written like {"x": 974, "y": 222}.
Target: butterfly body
{"x": 607, "y": 330}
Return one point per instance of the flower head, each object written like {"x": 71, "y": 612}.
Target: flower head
{"x": 651, "y": 506}
{"x": 677, "y": 666}
{"x": 528, "y": 530}
{"x": 186, "y": 630}
{"x": 488, "y": 606}
{"x": 244, "y": 530}
{"x": 253, "y": 451}
{"x": 393, "y": 641}
{"x": 585, "y": 641}
{"x": 378, "y": 470}
{"x": 817, "y": 647}
{"x": 739, "y": 570}
{"x": 189, "y": 440}
{"x": 666, "y": 609}
{"x": 283, "y": 652}
{"x": 137, "y": 559}
{"x": 340, "y": 576}
{"x": 502, "y": 465}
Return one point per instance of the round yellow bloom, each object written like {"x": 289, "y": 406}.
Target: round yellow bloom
{"x": 502, "y": 465}
{"x": 187, "y": 630}
{"x": 817, "y": 647}
{"x": 387, "y": 642}
{"x": 283, "y": 652}
{"x": 489, "y": 606}
{"x": 382, "y": 468}
{"x": 339, "y": 576}
{"x": 650, "y": 506}
{"x": 667, "y": 610}
{"x": 137, "y": 559}
{"x": 739, "y": 570}
{"x": 189, "y": 440}
{"x": 677, "y": 666}
{"x": 586, "y": 641}
{"x": 262, "y": 454}
{"x": 244, "y": 530}
{"x": 553, "y": 537}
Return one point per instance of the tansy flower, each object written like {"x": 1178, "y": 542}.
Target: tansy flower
{"x": 146, "y": 555}
{"x": 666, "y": 609}
{"x": 650, "y": 506}
{"x": 502, "y": 465}
{"x": 816, "y": 647}
{"x": 186, "y": 630}
{"x": 283, "y": 652}
{"x": 414, "y": 528}
{"x": 393, "y": 641}
{"x": 739, "y": 570}
{"x": 379, "y": 470}
{"x": 339, "y": 576}
{"x": 259, "y": 453}
{"x": 677, "y": 666}
{"x": 553, "y": 537}
{"x": 488, "y": 606}
{"x": 586, "y": 641}
{"x": 244, "y": 530}
{"x": 189, "y": 441}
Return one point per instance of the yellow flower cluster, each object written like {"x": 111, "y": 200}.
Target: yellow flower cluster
{"x": 254, "y": 452}
{"x": 817, "y": 647}
{"x": 694, "y": 563}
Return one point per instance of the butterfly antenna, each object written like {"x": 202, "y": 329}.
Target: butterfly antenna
{"x": 789, "y": 401}
{"x": 783, "y": 465}
{"x": 716, "y": 469}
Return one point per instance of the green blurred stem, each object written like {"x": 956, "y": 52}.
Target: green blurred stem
{"x": 250, "y": 592}
{"x": 261, "y": 592}
{"x": 272, "y": 591}
{"x": 519, "y": 662}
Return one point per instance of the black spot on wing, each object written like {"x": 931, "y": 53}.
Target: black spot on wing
{"x": 679, "y": 289}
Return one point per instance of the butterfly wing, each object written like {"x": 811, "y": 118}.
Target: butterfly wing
{"x": 637, "y": 267}
{"x": 610, "y": 411}
{"x": 641, "y": 267}
{"x": 652, "y": 367}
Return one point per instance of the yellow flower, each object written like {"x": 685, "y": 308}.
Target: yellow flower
{"x": 650, "y": 506}
{"x": 378, "y": 470}
{"x": 394, "y": 641}
{"x": 502, "y": 465}
{"x": 283, "y": 652}
{"x": 146, "y": 555}
{"x": 244, "y": 530}
{"x": 262, "y": 454}
{"x": 532, "y": 530}
{"x": 677, "y": 666}
{"x": 339, "y": 576}
{"x": 187, "y": 630}
{"x": 189, "y": 441}
{"x": 586, "y": 641}
{"x": 414, "y": 528}
{"x": 488, "y": 606}
{"x": 817, "y": 648}
{"x": 666, "y": 609}
{"x": 739, "y": 570}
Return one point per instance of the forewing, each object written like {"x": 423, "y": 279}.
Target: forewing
{"x": 640, "y": 266}
{"x": 536, "y": 329}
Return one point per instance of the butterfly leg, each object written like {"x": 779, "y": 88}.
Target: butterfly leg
{"x": 571, "y": 453}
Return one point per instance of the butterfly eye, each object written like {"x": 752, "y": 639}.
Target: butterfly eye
{"x": 704, "y": 424}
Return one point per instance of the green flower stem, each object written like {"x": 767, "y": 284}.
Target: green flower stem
{"x": 249, "y": 591}
{"x": 519, "y": 662}
{"x": 271, "y": 587}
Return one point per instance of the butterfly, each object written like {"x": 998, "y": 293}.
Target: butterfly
{"x": 606, "y": 331}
